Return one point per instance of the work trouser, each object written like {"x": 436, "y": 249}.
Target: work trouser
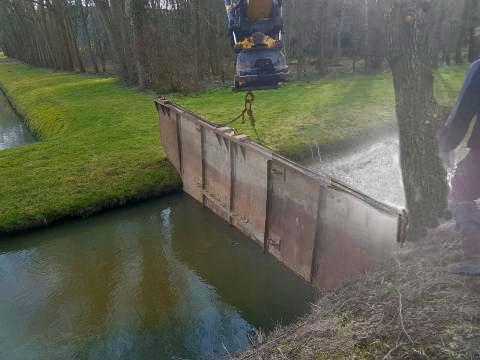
{"x": 464, "y": 200}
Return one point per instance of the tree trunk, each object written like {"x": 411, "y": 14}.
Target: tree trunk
{"x": 367, "y": 44}
{"x": 138, "y": 17}
{"x": 322, "y": 67}
{"x": 411, "y": 29}
{"x": 195, "y": 9}
{"x": 340, "y": 23}
{"x": 83, "y": 21}
{"x": 114, "y": 37}
{"x": 465, "y": 25}
{"x": 121, "y": 11}
{"x": 473, "y": 44}
{"x": 73, "y": 43}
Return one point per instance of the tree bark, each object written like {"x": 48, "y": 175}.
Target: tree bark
{"x": 465, "y": 25}
{"x": 411, "y": 50}
{"x": 114, "y": 37}
{"x": 340, "y": 23}
{"x": 83, "y": 21}
{"x": 138, "y": 17}
{"x": 73, "y": 42}
{"x": 195, "y": 9}
{"x": 473, "y": 33}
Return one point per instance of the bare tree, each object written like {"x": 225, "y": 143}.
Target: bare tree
{"x": 146, "y": 42}
{"x": 83, "y": 15}
{"x": 411, "y": 49}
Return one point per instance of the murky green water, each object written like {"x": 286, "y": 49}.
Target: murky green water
{"x": 161, "y": 280}
{"x": 13, "y": 131}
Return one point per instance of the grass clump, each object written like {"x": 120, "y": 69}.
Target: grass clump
{"x": 100, "y": 148}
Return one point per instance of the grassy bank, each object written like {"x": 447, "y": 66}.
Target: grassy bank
{"x": 100, "y": 146}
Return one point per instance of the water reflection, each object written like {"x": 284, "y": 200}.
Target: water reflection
{"x": 161, "y": 280}
{"x": 13, "y": 131}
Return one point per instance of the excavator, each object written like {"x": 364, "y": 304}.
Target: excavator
{"x": 255, "y": 28}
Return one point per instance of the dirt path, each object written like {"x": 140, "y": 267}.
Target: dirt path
{"x": 373, "y": 168}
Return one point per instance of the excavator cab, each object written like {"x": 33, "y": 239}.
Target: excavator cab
{"x": 255, "y": 28}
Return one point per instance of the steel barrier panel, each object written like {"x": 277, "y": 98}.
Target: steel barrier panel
{"x": 292, "y": 219}
{"x": 321, "y": 229}
{"x": 249, "y": 200}
{"x": 169, "y": 135}
{"x": 352, "y": 236}
{"x": 217, "y": 172}
{"x": 191, "y": 148}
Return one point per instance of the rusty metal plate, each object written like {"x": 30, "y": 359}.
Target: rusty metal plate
{"x": 352, "y": 236}
{"x": 169, "y": 135}
{"x": 217, "y": 172}
{"x": 292, "y": 217}
{"x": 321, "y": 229}
{"x": 191, "y": 147}
{"x": 249, "y": 201}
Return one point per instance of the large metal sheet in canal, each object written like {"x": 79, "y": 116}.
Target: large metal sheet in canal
{"x": 161, "y": 280}
{"x": 320, "y": 228}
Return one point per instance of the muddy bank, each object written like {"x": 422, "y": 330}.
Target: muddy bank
{"x": 371, "y": 166}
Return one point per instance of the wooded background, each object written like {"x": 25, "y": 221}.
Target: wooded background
{"x": 181, "y": 45}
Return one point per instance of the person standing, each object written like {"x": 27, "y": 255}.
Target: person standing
{"x": 464, "y": 197}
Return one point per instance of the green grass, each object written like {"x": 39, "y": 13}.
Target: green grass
{"x": 293, "y": 117}
{"x": 100, "y": 142}
{"x": 100, "y": 148}
{"x": 448, "y": 82}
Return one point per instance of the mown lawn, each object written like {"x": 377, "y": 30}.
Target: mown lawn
{"x": 100, "y": 146}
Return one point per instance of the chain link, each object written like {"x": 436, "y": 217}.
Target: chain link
{"x": 247, "y": 113}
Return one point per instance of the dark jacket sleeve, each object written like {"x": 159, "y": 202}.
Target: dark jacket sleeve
{"x": 468, "y": 105}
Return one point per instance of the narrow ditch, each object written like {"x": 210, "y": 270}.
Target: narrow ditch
{"x": 13, "y": 131}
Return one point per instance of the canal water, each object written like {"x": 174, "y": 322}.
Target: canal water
{"x": 13, "y": 131}
{"x": 160, "y": 280}
{"x": 164, "y": 279}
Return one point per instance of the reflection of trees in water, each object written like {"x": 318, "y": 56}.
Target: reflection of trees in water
{"x": 263, "y": 290}
{"x": 108, "y": 287}
{"x": 62, "y": 286}
{"x": 204, "y": 322}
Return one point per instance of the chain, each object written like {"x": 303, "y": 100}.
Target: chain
{"x": 247, "y": 113}
{"x": 247, "y": 110}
